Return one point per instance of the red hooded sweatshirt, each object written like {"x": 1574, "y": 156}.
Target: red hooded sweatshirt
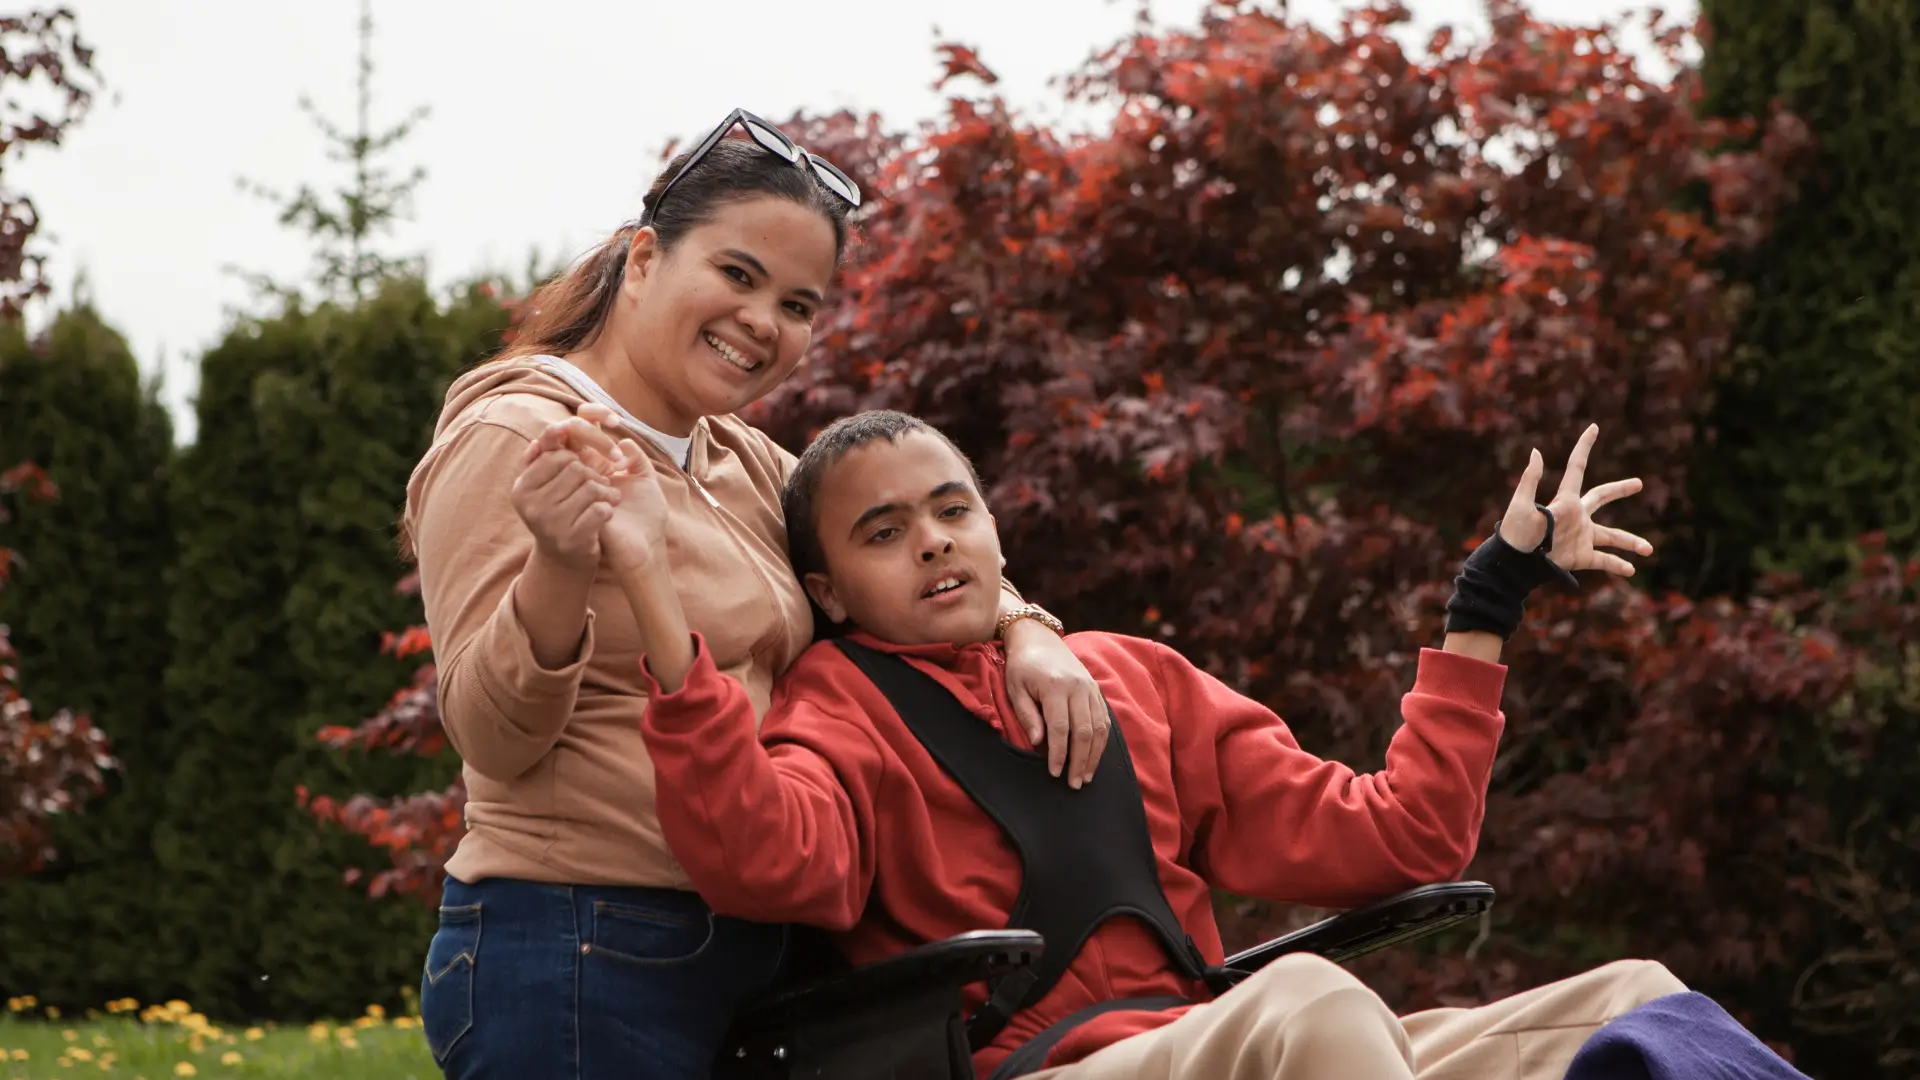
{"x": 837, "y": 817}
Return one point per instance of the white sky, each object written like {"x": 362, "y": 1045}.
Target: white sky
{"x": 548, "y": 120}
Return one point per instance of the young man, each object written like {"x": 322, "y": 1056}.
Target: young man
{"x": 834, "y": 813}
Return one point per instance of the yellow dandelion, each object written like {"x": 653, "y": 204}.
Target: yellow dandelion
{"x": 231, "y": 1057}
{"x": 404, "y": 1023}
{"x": 24, "y": 1001}
{"x": 376, "y": 1012}
{"x": 20, "y": 1055}
{"x": 254, "y": 1034}
{"x": 79, "y": 1053}
{"x": 185, "y": 1068}
{"x": 53, "y": 1013}
{"x": 196, "y": 1044}
{"x": 317, "y": 1032}
{"x": 70, "y": 1035}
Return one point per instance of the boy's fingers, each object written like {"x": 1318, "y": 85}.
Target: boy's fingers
{"x": 632, "y": 458}
{"x": 1604, "y": 536}
{"x": 1576, "y": 473}
{"x": 1610, "y": 492}
{"x": 1612, "y": 564}
{"x": 1527, "y": 493}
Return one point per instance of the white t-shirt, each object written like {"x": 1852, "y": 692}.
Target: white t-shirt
{"x": 678, "y": 447}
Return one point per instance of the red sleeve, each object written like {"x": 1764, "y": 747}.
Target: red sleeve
{"x": 1272, "y": 821}
{"x": 777, "y": 828}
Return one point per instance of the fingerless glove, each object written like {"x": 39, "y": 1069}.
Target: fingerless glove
{"x": 1491, "y": 590}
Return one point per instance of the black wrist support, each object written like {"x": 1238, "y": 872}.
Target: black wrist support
{"x": 1491, "y": 590}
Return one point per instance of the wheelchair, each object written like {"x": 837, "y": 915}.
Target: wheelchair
{"x": 903, "y": 1018}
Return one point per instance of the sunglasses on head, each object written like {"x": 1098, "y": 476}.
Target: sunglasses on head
{"x": 775, "y": 141}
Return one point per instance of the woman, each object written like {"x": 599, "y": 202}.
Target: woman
{"x": 570, "y": 944}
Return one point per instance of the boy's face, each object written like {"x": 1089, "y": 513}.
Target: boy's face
{"x": 900, "y": 523}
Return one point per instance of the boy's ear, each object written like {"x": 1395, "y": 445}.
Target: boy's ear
{"x": 820, "y": 587}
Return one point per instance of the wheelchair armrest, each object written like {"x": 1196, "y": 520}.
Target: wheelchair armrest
{"x": 954, "y": 963}
{"x": 1403, "y": 917}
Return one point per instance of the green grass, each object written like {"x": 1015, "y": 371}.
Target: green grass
{"x": 166, "y": 1041}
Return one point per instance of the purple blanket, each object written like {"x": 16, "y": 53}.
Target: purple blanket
{"x": 1678, "y": 1037}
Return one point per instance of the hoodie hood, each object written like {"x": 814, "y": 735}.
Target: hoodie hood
{"x": 525, "y": 375}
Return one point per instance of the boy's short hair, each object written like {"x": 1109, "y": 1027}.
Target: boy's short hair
{"x": 840, "y": 438}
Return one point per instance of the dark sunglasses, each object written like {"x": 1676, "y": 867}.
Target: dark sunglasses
{"x": 774, "y": 141}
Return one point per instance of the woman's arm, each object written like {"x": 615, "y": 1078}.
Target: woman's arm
{"x": 511, "y": 630}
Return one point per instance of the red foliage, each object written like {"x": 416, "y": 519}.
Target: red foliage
{"x": 1252, "y": 368}
{"x": 417, "y": 832}
{"x": 42, "y": 52}
{"x": 47, "y": 767}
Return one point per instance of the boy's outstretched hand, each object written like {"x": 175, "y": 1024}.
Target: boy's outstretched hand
{"x": 1577, "y": 538}
{"x": 634, "y": 536}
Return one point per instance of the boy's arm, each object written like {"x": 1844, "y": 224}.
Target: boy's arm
{"x": 780, "y": 832}
{"x": 1272, "y": 821}
{"x": 777, "y": 835}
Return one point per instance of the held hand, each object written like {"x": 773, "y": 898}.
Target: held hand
{"x": 635, "y": 534}
{"x": 1056, "y": 700}
{"x": 1577, "y": 538}
{"x": 562, "y": 499}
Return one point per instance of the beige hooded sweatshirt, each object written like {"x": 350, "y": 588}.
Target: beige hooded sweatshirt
{"x": 559, "y": 785}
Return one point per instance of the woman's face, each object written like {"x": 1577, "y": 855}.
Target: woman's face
{"x": 723, "y": 318}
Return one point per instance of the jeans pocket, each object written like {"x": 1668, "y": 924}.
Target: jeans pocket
{"x": 641, "y": 935}
{"x": 446, "y": 987}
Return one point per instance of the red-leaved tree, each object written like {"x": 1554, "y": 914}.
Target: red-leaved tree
{"x": 50, "y": 766}
{"x": 47, "y": 72}
{"x": 416, "y": 832}
{"x": 1252, "y": 367}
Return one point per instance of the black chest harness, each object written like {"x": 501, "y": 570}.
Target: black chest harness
{"x": 1086, "y": 856}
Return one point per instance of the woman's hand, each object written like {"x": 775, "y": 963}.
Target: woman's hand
{"x": 1577, "y": 538}
{"x": 1056, "y": 700}
{"x": 563, "y": 499}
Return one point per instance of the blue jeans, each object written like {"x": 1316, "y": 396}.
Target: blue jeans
{"x": 574, "y": 982}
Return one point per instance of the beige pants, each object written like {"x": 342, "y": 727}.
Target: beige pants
{"x": 1304, "y": 1018}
